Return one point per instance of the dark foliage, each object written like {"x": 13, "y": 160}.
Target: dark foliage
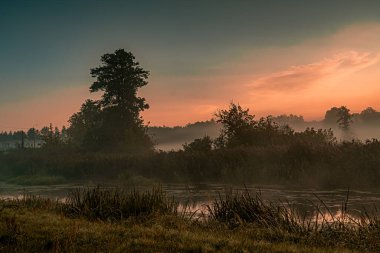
{"x": 113, "y": 123}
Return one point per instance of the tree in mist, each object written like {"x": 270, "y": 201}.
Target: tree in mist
{"x": 370, "y": 116}
{"x": 114, "y": 122}
{"x": 291, "y": 120}
{"x": 240, "y": 129}
{"x": 237, "y": 125}
{"x": 331, "y": 116}
{"x": 340, "y": 116}
{"x": 344, "y": 118}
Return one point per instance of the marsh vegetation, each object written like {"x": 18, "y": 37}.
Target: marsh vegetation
{"x": 112, "y": 220}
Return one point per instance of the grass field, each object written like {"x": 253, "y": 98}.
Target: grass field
{"x": 38, "y": 225}
{"x": 40, "y": 230}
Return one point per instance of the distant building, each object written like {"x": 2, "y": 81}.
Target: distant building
{"x": 17, "y": 144}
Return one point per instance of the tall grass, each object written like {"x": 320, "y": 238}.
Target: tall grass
{"x": 320, "y": 227}
{"x": 243, "y": 211}
{"x": 244, "y": 207}
{"x": 117, "y": 204}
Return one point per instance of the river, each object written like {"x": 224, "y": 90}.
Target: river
{"x": 199, "y": 195}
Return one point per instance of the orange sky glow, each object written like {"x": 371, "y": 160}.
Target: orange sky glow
{"x": 304, "y": 79}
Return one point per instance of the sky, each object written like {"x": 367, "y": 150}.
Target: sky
{"x": 274, "y": 57}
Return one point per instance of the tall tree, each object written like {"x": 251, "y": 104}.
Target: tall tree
{"x": 119, "y": 77}
{"x": 117, "y": 124}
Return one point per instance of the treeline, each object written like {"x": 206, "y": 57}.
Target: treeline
{"x": 107, "y": 140}
{"x": 42, "y": 134}
{"x": 362, "y": 125}
{"x": 246, "y": 151}
{"x": 181, "y": 134}
{"x": 10, "y": 136}
{"x": 369, "y": 116}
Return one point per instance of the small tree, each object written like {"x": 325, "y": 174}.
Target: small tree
{"x": 344, "y": 118}
{"x": 237, "y": 126}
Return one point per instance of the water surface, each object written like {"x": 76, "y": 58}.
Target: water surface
{"x": 199, "y": 195}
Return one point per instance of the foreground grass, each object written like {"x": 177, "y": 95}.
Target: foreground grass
{"x": 115, "y": 220}
{"x": 43, "y": 229}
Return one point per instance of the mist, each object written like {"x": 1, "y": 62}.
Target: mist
{"x": 186, "y": 126}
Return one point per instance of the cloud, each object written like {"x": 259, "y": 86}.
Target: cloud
{"x": 304, "y": 76}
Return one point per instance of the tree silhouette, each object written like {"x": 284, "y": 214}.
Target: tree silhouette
{"x": 114, "y": 121}
{"x": 344, "y": 118}
{"x": 331, "y": 116}
{"x": 119, "y": 77}
{"x": 85, "y": 126}
{"x": 237, "y": 126}
{"x": 370, "y": 116}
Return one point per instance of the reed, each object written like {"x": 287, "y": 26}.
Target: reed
{"x": 241, "y": 207}
{"x": 243, "y": 212}
{"x": 117, "y": 204}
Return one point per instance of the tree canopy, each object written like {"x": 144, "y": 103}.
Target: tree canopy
{"x": 114, "y": 121}
{"x": 119, "y": 77}
{"x": 344, "y": 117}
{"x": 237, "y": 126}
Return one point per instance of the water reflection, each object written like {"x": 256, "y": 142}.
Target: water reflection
{"x": 196, "y": 197}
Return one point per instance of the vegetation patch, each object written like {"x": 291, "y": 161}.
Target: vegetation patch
{"x": 116, "y": 204}
{"x": 32, "y": 224}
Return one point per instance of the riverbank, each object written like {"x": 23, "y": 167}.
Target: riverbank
{"x": 40, "y": 230}
{"x": 96, "y": 220}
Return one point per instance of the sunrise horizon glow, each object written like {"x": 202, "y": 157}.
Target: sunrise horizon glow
{"x": 45, "y": 76}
